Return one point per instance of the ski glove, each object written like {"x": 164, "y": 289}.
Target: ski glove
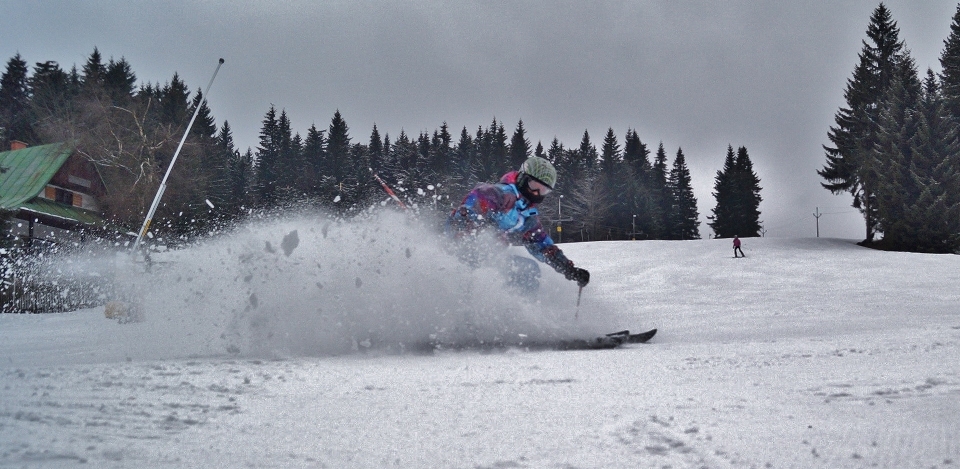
{"x": 581, "y": 276}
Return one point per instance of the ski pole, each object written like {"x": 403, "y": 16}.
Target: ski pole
{"x": 388, "y": 190}
{"x": 576, "y": 315}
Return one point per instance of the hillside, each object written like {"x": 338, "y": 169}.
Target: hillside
{"x": 807, "y": 353}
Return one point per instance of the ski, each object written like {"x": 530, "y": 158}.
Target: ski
{"x": 608, "y": 341}
{"x": 642, "y": 337}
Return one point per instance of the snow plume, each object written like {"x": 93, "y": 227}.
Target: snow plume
{"x": 309, "y": 284}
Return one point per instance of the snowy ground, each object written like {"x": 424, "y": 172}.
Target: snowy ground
{"x": 261, "y": 352}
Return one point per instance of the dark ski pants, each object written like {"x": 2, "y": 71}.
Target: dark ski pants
{"x": 522, "y": 274}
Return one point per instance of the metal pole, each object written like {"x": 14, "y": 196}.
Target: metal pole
{"x": 163, "y": 183}
{"x": 559, "y": 220}
{"x": 817, "y": 215}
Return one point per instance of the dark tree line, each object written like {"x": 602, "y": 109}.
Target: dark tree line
{"x": 611, "y": 193}
{"x": 130, "y": 132}
{"x": 895, "y": 144}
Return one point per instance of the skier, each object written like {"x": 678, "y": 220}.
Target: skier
{"x": 508, "y": 208}
{"x": 736, "y": 247}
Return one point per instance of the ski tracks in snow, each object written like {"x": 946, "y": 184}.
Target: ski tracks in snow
{"x": 110, "y": 414}
{"x": 662, "y": 442}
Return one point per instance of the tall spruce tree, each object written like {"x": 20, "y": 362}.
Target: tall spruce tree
{"x": 919, "y": 196}
{"x": 339, "y": 160}
{"x": 849, "y": 166}
{"x": 290, "y": 164}
{"x": 619, "y": 221}
{"x": 222, "y": 159}
{"x": 723, "y": 222}
{"x": 936, "y": 156}
{"x": 610, "y": 155}
{"x": 241, "y": 178}
{"x": 638, "y": 191}
{"x": 587, "y": 156}
{"x": 268, "y": 158}
{"x": 119, "y": 81}
{"x": 661, "y": 193}
{"x": 737, "y": 191}
{"x": 684, "y": 219}
{"x": 51, "y": 97}
{"x": 748, "y": 196}
{"x": 14, "y": 103}
{"x": 519, "y": 146}
{"x": 950, "y": 64}
{"x": 890, "y": 165}
{"x": 93, "y": 74}
{"x": 440, "y": 160}
{"x": 314, "y": 159}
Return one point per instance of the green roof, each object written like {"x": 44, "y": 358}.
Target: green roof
{"x": 68, "y": 213}
{"x": 23, "y": 175}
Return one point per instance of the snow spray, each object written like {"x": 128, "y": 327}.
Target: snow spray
{"x": 308, "y": 284}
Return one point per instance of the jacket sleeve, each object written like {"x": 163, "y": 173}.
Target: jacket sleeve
{"x": 475, "y": 211}
{"x": 541, "y": 246}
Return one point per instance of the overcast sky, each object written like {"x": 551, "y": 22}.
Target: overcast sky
{"x": 696, "y": 75}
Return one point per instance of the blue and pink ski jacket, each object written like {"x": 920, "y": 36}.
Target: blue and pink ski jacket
{"x": 516, "y": 219}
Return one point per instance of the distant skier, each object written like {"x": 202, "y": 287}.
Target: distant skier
{"x": 509, "y": 209}
{"x": 736, "y": 247}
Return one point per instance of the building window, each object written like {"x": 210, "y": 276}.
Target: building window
{"x": 64, "y": 196}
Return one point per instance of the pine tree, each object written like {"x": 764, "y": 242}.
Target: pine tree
{"x": 375, "y": 149}
{"x": 639, "y": 174}
{"x": 610, "y": 156}
{"x": 748, "y": 196}
{"x": 586, "y": 156}
{"x": 51, "y": 97}
{"x": 314, "y": 157}
{"x": 661, "y": 193}
{"x": 14, "y": 103}
{"x": 241, "y": 177}
{"x": 538, "y": 152}
{"x": 290, "y": 165}
{"x": 889, "y": 165}
{"x": 950, "y": 63}
{"x": 465, "y": 156}
{"x": 920, "y": 184}
{"x": 439, "y": 159}
{"x": 119, "y": 81}
{"x": 684, "y": 220}
{"x": 93, "y": 74}
{"x": 499, "y": 150}
{"x": 854, "y": 138}
{"x": 519, "y": 146}
{"x": 723, "y": 222}
{"x": 268, "y": 157}
{"x": 737, "y": 191}
{"x": 222, "y": 161}
{"x": 204, "y": 126}
{"x": 338, "y": 158}
{"x": 174, "y": 106}
{"x": 619, "y": 220}
{"x": 361, "y": 184}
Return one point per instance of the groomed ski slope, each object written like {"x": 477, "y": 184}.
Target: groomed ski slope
{"x": 807, "y": 353}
